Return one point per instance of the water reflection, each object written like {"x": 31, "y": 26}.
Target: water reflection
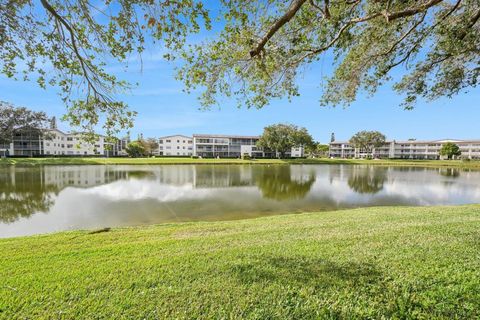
{"x": 367, "y": 179}
{"x": 22, "y": 193}
{"x": 449, "y": 172}
{"x": 54, "y": 198}
{"x": 277, "y": 182}
{"x": 25, "y": 191}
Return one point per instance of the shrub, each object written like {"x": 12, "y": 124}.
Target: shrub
{"x": 246, "y": 156}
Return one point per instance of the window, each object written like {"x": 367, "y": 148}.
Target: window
{"x": 160, "y": 141}
{"x": 178, "y": 147}
{"x": 168, "y": 141}
{"x": 183, "y": 141}
{"x": 69, "y": 139}
{"x": 178, "y": 141}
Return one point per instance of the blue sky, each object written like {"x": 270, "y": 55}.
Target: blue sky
{"x": 164, "y": 109}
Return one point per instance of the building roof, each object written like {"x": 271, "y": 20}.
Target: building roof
{"x": 224, "y": 136}
{"x": 175, "y": 135}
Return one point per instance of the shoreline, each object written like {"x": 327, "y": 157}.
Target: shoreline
{"x": 189, "y": 161}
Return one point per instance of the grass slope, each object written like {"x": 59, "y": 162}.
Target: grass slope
{"x": 385, "y": 262}
{"x": 172, "y": 160}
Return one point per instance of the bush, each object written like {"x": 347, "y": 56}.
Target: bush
{"x": 246, "y": 156}
{"x": 194, "y": 157}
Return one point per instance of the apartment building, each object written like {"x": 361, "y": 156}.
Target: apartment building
{"x": 232, "y": 146}
{"x": 176, "y": 145}
{"x": 55, "y": 142}
{"x": 410, "y": 149}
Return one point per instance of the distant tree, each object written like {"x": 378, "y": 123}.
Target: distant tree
{"x": 15, "y": 119}
{"x": 150, "y": 145}
{"x": 367, "y": 140}
{"x": 317, "y": 149}
{"x": 136, "y": 149}
{"x": 282, "y": 138}
{"x": 449, "y": 150}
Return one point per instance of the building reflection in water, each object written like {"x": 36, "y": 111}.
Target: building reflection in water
{"x": 53, "y": 198}
{"x": 25, "y": 191}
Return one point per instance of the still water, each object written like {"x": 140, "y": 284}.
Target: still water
{"x": 55, "y": 198}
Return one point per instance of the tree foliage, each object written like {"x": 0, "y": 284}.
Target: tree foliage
{"x": 68, "y": 44}
{"x": 449, "y": 150}
{"x": 367, "y": 140}
{"x": 258, "y": 53}
{"x": 316, "y": 149}
{"x": 150, "y": 145}
{"x": 282, "y": 138}
{"x": 15, "y": 119}
{"x": 136, "y": 149}
{"x": 265, "y": 45}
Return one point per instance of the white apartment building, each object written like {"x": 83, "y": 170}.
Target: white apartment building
{"x": 58, "y": 143}
{"x": 411, "y": 149}
{"x": 61, "y": 143}
{"x": 176, "y": 145}
{"x": 231, "y": 146}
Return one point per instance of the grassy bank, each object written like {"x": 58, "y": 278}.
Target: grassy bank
{"x": 171, "y": 160}
{"x": 387, "y": 262}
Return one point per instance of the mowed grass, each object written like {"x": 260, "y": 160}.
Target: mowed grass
{"x": 173, "y": 160}
{"x": 383, "y": 262}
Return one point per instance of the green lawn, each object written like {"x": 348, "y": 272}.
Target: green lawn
{"x": 384, "y": 262}
{"x": 172, "y": 160}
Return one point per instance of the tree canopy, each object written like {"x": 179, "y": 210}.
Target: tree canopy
{"x": 69, "y": 44}
{"x": 150, "y": 145}
{"x": 316, "y": 149}
{"x": 14, "y": 119}
{"x": 136, "y": 149}
{"x": 449, "y": 150}
{"x": 282, "y": 138}
{"x": 265, "y": 45}
{"x": 367, "y": 140}
{"x": 256, "y": 54}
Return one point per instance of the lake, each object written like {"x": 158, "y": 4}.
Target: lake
{"x": 35, "y": 200}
